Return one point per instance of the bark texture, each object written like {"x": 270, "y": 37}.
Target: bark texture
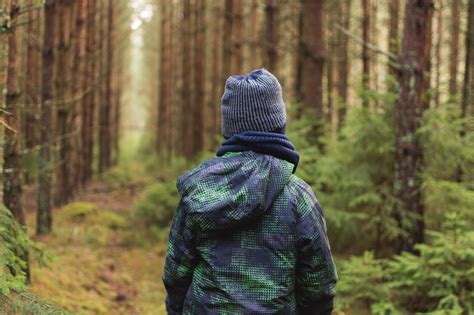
{"x": 313, "y": 54}
{"x": 12, "y": 186}
{"x": 44, "y": 217}
{"x": 272, "y": 30}
{"x": 413, "y": 81}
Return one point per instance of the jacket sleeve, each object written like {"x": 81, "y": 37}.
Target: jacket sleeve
{"x": 180, "y": 262}
{"x": 316, "y": 273}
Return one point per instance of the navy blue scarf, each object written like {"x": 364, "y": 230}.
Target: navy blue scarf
{"x": 274, "y": 144}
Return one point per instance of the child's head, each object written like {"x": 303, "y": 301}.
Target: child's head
{"x": 252, "y": 102}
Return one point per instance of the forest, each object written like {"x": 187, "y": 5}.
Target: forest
{"x": 105, "y": 103}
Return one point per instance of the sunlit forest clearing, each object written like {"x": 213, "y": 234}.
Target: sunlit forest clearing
{"x": 106, "y": 103}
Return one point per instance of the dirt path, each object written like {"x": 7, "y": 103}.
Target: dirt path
{"x": 98, "y": 266}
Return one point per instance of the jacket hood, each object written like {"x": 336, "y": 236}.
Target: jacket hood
{"x": 228, "y": 191}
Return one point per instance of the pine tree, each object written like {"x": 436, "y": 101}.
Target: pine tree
{"x": 44, "y": 216}
{"x": 408, "y": 111}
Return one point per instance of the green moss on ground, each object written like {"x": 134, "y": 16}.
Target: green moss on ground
{"x": 95, "y": 269}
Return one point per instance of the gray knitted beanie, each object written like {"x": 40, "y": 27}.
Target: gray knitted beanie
{"x": 252, "y": 102}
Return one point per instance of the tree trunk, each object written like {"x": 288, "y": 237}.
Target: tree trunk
{"x": 171, "y": 87}
{"x": 216, "y": 71}
{"x": 227, "y": 38}
{"x": 343, "y": 61}
{"x": 365, "y": 50}
{"x": 12, "y": 189}
{"x": 313, "y": 56}
{"x": 32, "y": 84}
{"x": 468, "y": 85}
{"x": 330, "y": 78}
{"x": 186, "y": 77}
{"x": 454, "y": 46}
{"x": 199, "y": 113}
{"x": 44, "y": 217}
{"x": 105, "y": 106}
{"x": 438, "y": 57}
{"x": 393, "y": 33}
{"x": 90, "y": 86}
{"x": 408, "y": 111}
{"x": 254, "y": 34}
{"x": 78, "y": 88}
{"x": 272, "y": 30}
{"x": 300, "y": 58}
{"x": 164, "y": 81}
{"x": 63, "y": 105}
{"x": 117, "y": 103}
{"x": 238, "y": 37}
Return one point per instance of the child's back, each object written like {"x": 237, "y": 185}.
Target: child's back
{"x": 248, "y": 236}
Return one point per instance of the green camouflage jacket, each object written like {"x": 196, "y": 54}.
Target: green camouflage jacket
{"x": 248, "y": 237}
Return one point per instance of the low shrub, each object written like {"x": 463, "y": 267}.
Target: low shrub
{"x": 440, "y": 280}
{"x": 14, "y": 245}
{"x": 14, "y": 248}
{"x": 90, "y": 223}
{"x": 154, "y": 210}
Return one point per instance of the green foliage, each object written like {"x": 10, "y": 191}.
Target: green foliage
{"x": 25, "y": 303}
{"x": 440, "y": 280}
{"x": 164, "y": 170}
{"x": 299, "y": 132}
{"x": 354, "y": 178}
{"x": 442, "y": 276}
{"x": 448, "y": 163}
{"x": 13, "y": 245}
{"x": 443, "y": 147}
{"x": 124, "y": 174}
{"x": 154, "y": 210}
{"x": 362, "y": 281}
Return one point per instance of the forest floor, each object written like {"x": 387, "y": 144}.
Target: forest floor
{"x": 94, "y": 264}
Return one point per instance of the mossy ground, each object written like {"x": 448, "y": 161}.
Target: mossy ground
{"x": 97, "y": 265}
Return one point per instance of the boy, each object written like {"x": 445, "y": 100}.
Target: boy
{"x": 248, "y": 236}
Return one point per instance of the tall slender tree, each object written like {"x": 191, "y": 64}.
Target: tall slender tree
{"x": 343, "y": 71}
{"x": 32, "y": 85}
{"x": 90, "y": 87}
{"x": 393, "y": 31}
{"x": 78, "y": 89}
{"x": 106, "y": 95}
{"x": 12, "y": 186}
{"x": 468, "y": 84}
{"x": 227, "y": 38}
{"x": 165, "y": 69}
{"x": 186, "y": 78}
{"x": 313, "y": 55}
{"x": 237, "y": 37}
{"x": 438, "y": 57}
{"x": 454, "y": 46}
{"x": 199, "y": 108}
{"x": 63, "y": 104}
{"x": 272, "y": 30}
{"x": 366, "y": 22}
{"x": 254, "y": 33}
{"x": 408, "y": 110}
{"x": 44, "y": 216}
{"x": 216, "y": 70}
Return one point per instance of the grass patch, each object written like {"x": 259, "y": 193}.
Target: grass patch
{"x": 93, "y": 270}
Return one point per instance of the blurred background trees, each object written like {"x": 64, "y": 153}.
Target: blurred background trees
{"x": 380, "y": 100}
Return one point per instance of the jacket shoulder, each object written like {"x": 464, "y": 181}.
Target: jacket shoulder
{"x": 303, "y": 195}
{"x": 300, "y": 187}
